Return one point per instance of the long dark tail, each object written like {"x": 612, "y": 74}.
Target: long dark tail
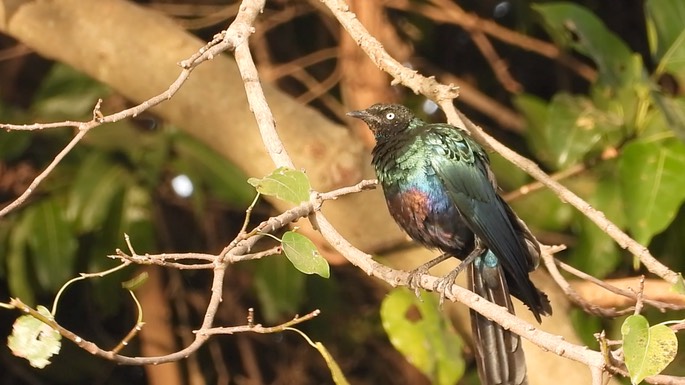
{"x": 499, "y": 354}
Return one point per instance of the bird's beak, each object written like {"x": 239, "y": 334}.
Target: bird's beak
{"x": 361, "y": 114}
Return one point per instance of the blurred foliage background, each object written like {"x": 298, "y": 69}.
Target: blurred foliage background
{"x": 592, "y": 90}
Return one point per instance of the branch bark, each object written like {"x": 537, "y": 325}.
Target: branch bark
{"x": 212, "y": 105}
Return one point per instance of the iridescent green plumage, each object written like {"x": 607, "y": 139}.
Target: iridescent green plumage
{"x": 440, "y": 189}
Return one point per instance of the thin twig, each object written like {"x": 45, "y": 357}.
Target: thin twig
{"x": 257, "y": 328}
{"x": 614, "y": 289}
{"x": 563, "y": 284}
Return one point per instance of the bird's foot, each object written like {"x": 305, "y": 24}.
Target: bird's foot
{"x": 445, "y": 283}
{"x": 414, "y": 279}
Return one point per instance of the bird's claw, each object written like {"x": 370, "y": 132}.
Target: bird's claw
{"x": 414, "y": 279}
{"x": 442, "y": 286}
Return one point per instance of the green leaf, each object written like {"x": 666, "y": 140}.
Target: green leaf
{"x": 574, "y": 26}
{"x": 585, "y": 326}
{"x": 574, "y": 127}
{"x": 52, "y": 243}
{"x": 209, "y": 168}
{"x": 569, "y": 129}
{"x": 509, "y": 176}
{"x": 18, "y": 272}
{"x": 535, "y": 111}
{"x": 423, "y": 335}
{"x": 280, "y": 288}
{"x": 596, "y": 253}
{"x": 13, "y": 144}
{"x": 6, "y": 226}
{"x": 303, "y": 254}
{"x": 673, "y": 110}
{"x": 284, "y": 183}
{"x": 67, "y": 93}
{"x": 98, "y": 183}
{"x": 665, "y": 26}
{"x": 543, "y": 210}
{"x": 647, "y": 350}
{"x": 33, "y": 340}
{"x": 336, "y": 373}
{"x": 673, "y": 61}
{"x": 666, "y": 33}
{"x": 657, "y": 122}
{"x": 135, "y": 282}
{"x": 653, "y": 185}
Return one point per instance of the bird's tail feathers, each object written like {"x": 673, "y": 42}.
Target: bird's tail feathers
{"x": 499, "y": 354}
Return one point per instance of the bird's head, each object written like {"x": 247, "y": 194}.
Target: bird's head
{"x": 385, "y": 119}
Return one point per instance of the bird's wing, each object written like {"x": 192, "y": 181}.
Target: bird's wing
{"x": 462, "y": 166}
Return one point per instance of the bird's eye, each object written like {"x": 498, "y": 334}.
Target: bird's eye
{"x": 390, "y": 115}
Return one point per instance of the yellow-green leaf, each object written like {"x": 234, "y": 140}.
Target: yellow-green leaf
{"x": 336, "y": 373}
{"x": 284, "y": 183}
{"x": 304, "y": 255}
{"x": 423, "y": 335}
{"x": 135, "y": 282}
{"x": 647, "y": 350}
{"x": 33, "y": 340}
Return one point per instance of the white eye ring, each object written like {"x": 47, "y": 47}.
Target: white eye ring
{"x": 390, "y": 115}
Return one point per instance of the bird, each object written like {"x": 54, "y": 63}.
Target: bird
{"x": 440, "y": 190}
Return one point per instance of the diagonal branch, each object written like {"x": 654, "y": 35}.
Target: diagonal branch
{"x": 592, "y": 359}
{"x": 443, "y": 96}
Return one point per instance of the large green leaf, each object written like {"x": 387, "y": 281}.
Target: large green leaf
{"x": 573, "y": 26}
{"x": 13, "y": 143}
{"x": 98, "y": 182}
{"x": 569, "y": 129}
{"x": 665, "y": 27}
{"x": 542, "y": 209}
{"x": 67, "y": 93}
{"x": 653, "y": 185}
{"x": 595, "y": 252}
{"x": 509, "y": 176}
{"x": 223, "y": 178}
{"x": 18, "y": 270}
{"x": 673, "y": 61}
{"x": 423, "y": 335}
{"x": 536, "y": 113}
{"x": 647, "y": 350}
{"x": 280, "y": 288}
{"x": 574, "y": 127}
{"x": 52, "y": 243}
{"x": 673, "y": 110}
